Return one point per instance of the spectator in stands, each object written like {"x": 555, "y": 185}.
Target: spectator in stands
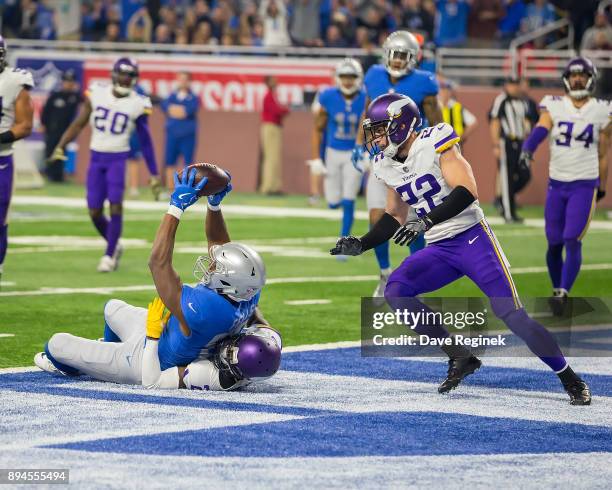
{"x": 451, "y": 22}
{"x": 601, "y": 29}
{"x": 203, "y": 34}
{"x": 538, "y": 14}
{"x": 181, "y": 109}
{"x": 305, "y": 24}
{"x": 181, "y": 36}
{"x": 140, "y": 27}
{"x": 342, "y": 16}
{"x": 483, "y": 21}
{"x": 378, "y": 19}
{"x": 163, "y": 35}
{"x": 510, "y": 24}
{"x": 333, "y": 37}
{"x": 113, "y": 33}
{"x": 416, "y": 18}
{"x": 93, "y": 20}
{"x": 271, "y": 140}
{"x": 454, "y": 113}
{"x": 57, "y": 114}
{"x": 273, "y": 14}
{"x": 363, "y": 41}
{"x": 581, "y": 14}
{"x": 257, "y": 34}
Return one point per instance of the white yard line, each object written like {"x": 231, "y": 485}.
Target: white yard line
{"x": 306, "y": 302}
{"x": 6, "y": 335}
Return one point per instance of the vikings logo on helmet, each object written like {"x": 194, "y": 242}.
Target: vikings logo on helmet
{"x": 403, "y": 46}
{"x": 580, "y": 65}
{"x": 349, "y": 67}
{"x": 124, "y": 75}
{"x": 394, "y": 116}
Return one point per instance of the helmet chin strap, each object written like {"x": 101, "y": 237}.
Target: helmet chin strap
{"x": 579, "y": 94}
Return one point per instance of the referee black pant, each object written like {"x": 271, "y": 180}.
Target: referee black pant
{"x": 512, "y": 178}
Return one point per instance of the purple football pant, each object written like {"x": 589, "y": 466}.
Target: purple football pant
{"x": 6, "y": 190}
{"x": 568, "y": 212}
{"x": 105, "y": 178}
{"x": 474, "y": 253}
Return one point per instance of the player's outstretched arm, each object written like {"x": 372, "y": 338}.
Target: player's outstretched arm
{"x": 215, "y": 227}
{"x": 24, "y": 113}
{"x": 73, "y": 130}
{"x": 604, "y": 146}
{"x": 537, "y": 135}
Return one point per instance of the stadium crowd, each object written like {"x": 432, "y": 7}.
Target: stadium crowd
{"x": 318, "y": 23}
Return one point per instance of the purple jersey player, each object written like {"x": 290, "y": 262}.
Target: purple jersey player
{"x": 428, "y": 172}
{"x": 113, "y": 111}
{"x": 16, "y": 112}
{"x": 579, "y": 127}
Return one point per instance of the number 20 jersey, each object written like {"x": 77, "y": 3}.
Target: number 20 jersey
{"x": 574, "y": 137}
{"x": 420, "y": 183}
{"x": 113, "y": 118}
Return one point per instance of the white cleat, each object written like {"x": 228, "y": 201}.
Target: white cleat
{"x": 107, "y": 264}
{"x": 42, "y": 361}
{"x": 117, "y": 255}
{"x": 379, "y": 292}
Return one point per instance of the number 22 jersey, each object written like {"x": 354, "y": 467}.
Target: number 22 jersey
{"x": 574, "y": 137}
{"x": 420, "y": 183}
{"x": 113, "y": 118}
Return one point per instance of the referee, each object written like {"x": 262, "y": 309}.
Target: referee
{"x": 509, "y": 126}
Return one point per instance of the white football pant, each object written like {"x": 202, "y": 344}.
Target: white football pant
{"x": 342, "y": 180}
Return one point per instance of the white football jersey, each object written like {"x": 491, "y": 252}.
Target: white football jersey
{"x": 574, "y": 137}
{"x": 420, "y": 183}
{"x": 113, "y": 118}
{"x": 12, "y": 82}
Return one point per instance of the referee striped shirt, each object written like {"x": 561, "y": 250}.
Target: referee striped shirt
{"x": 511, "y": 112}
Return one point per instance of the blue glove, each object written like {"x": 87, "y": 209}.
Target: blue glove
{"x": 185, "y": 194}
{"x": 357, "y": 158}
{"x": 216, "y": 199}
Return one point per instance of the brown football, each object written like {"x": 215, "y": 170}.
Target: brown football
{"x": 217, "y": 177}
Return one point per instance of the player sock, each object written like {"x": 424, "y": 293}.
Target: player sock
{"x": 101, "y": 224}
{"x": 554, "y": 261}
{"x": 568, "y": 375}
{"x": 571, "y": 266}
{"x": 3, "y": 242}
{"x": 109, "y": 335}
{"x": 348, "y": 211}
{"x": 114, "y": 232}
{"x": 382, "y": 255}
{"x": 538, "y": 339}
{"x": 334, "y": 205}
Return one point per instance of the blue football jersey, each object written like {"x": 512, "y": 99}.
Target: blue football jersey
{"x": 210, "y": 316}
{"x": 342, "y": 117}
{"x": 417, "y": 85}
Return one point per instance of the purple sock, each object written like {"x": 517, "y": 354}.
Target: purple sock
{"x": 538, "y": 339}
{"x": 571, "y": 266}
{"x": 114, "y": 232}
{"x": 101, "y": 224}
{"x": 554, "y": 260}
{"x": 3, "y": 242}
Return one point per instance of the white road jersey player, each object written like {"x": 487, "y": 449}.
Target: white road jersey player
{"x": 12, "y": 82}
{"x": 419, "y": 182}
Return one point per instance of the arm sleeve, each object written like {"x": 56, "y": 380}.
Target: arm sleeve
{"x": 152, "y": 375}
{"x": 453, "y": 204}
{"x": 384, "y": 229}
{"x": 144, "y": 136}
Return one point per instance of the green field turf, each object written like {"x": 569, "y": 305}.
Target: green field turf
{"x": 34, "y": 262}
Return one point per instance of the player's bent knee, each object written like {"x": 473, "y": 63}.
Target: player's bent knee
{"x": 397, "y": 292}
{"x": 111, "y": 307}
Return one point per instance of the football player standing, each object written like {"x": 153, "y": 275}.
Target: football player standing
{"x": 398, "y": 75}
{"x": 112, "y": 111}
{"x": 428, "y": 172}
{"x": 579, "y": 129}
{"x": 16, "y": 114}
{"x": 337, "y": 121}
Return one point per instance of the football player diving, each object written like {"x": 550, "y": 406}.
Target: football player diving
{"x": 425, "y": 170}
{"x": 213, "y": 336}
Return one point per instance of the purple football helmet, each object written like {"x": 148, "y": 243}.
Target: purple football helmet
{"x": 124, "y": 75}
{"x": 394, "y": 116}
{"x": 252, "y": 355}
{"x": 580, "y": 65}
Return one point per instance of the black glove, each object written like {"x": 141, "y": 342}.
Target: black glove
{"x": 601, "y": 193}
{"x": 408, "y": 233}
{"x": 347, "y": 245}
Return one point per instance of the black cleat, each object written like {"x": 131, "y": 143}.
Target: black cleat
{"x": 458, "y": 368}
{"x": 579, "y": 392}
{"x": 558, "y": 302}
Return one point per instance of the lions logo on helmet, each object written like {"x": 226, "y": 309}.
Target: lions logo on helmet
{"x": 349, "y": 76}
{"x": 580, "y": 90}
{"x": 394, "y": 116}
{"x": 124, "y": 75}
{"x": 233, "y": 269}
{"x": 401, "y": 53}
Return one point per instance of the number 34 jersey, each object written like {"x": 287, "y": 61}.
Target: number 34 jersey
{"x": 420, "y": 183}
{"x": 113, "y": 118}
{"x": 574, "y": 137}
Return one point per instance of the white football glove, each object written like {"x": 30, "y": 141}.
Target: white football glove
{"x": 317, "y": 167}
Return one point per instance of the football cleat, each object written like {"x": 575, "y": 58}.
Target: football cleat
{"x": 379, "y": 292}
{"x": 117, "y": 255}
{"x": 458, "y": 368}
{"x": 579, "y": 392}
{"x": 558, "y": 301}
{"x": 107, "y": 264}
{"x": 42, "y": 361}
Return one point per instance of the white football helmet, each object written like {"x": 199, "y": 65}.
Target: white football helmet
{"x": 350, "y": 67}
{"x": 404, "y": 46}
{"x": 233, "y": 269}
